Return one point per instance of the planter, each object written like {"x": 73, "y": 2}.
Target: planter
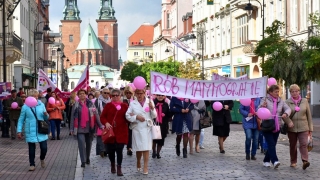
{"x": 218, "y": 54}
{"x": 228, "y": 51}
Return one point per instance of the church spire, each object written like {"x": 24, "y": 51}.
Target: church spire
{"x": 106, "y": 10}
{"x": 71, "y": 11}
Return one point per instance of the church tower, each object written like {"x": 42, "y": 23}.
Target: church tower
{"x": 70, "y": 29}
{"x": 108, "y": 34}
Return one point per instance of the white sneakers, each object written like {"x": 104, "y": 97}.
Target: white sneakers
{"x": 266, "y": 164}
{"x": 275, "y": 165}
{"x": 32, "y": 168}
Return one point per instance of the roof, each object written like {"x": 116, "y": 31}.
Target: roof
{"x": 75, "y": 72}
{"x": 89, "y": 40}
{"x": 143, "y": 36}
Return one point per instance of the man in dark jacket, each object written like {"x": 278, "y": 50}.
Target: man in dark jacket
{"x": 48, "y": 94}
{"x": 14, "y": 113}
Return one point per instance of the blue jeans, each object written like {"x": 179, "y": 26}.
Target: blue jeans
{"x": 32, "y": 151}
{"x": 55, "y": 123}
{"x": 272, "y": 139}
{"x": 252, "y": 136}
{"x": 201, "y": 137}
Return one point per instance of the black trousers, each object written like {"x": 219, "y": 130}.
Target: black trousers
{"x": 129, "y": 145}
{"x": 114, "y": 149}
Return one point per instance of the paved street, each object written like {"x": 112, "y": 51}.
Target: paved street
{"x": 62, "y": 162}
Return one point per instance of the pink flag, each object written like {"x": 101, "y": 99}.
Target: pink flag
{"x": 83, "y": 82}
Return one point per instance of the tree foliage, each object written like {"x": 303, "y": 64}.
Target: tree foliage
{"x": 128, "y": 71}
{"x": 190, "y": 70}
{"x": 284, "y": 58}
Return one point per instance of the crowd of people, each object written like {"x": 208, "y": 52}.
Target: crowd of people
{"x": 132, "y": 113}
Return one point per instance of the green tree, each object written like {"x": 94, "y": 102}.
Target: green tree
{"x": 128, "y": 72}
{"x": 190, "y": 70}
{"x": 284, "y": 58}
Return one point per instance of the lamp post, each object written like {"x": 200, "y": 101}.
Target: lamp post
{"x": 249, "y": 8}
{"x": 200, "y": 34}
{"x": 58, "y": 55}
{"x": 174, "y": 60}
{"x": 38, "y": 36}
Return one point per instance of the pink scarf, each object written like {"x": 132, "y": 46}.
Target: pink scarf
{"x": 116, "y": 103}
{"x": 252, "y": 108}
{"x": 274, "y": 114}
{"x": 159, "y": 112}
{"x": 296, "y": 101}
{"x": 84, "y": 114}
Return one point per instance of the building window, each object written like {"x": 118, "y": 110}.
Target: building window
{"x": 106, "y": 38}
{"x": 242, "y": 29}
{"x": 147, "y": 54}
{"x": 168, "y": 20}
{"x": 241, "y": 70}
{"x": 136, "y": 54}
{"x": 70, "y": 38}
{"x": 53, "y": 52}
{"x": 72, "y": 85}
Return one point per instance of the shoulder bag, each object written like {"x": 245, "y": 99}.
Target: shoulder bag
{"x": 284, "y": 127}
{"x": 205, "y": 121}
{"x": 43, "y": 127}
{"x": 156, "y": 131}
{"x": 108, "y": 135}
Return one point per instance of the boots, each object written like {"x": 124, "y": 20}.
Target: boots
{"x": 119, "y": 172}
{"x": 113, "y": 168}
{"x": 178, "y": 150}
{"x": 184, "y": 152}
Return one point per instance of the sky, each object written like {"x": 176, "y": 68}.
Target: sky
{"x": 129, "y": 13}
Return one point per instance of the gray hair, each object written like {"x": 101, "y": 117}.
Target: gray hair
{"x": 33, "y": 92}
{"x": 116, "y": 91}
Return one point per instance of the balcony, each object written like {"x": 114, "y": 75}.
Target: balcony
{"x": 249, "y": 47}
{"x": 13, "y": 47}
{"x": 313, "y": 31}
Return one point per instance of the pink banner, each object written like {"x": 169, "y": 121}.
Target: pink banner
{"x": 207, "y": 90}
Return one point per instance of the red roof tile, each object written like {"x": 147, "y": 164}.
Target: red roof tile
{"x": 145, "y": 33}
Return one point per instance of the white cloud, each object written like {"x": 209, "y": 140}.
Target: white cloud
{"x": 129, "y": 13}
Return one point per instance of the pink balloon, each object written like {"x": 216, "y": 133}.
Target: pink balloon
{"x": 264, "y": 113}
{"x": 14, "y": 105}
{"x": 118, "y": 107}
{"x": 77, "y": 98}
{"x": 217, "y": 106}
{"x": 245, "y": 102}
{"x": 93, "y": 100}
{"x": 139, "y": 82}
{"x": 31, "y": 102}
{"x": 194, "y": 101}
{"x": 147, "y": 109}
{"x": 52, "y": 101}
{"x": 272, "y": 81}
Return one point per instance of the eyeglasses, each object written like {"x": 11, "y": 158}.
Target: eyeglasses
{"x": 160, "y": 95}
{"x": 128, "y": 93}
{"x": 140, "y": 93}
{"x": 23, "y": 96}
{"x": 106, "y": 93}
{"x": 115, "y": 95}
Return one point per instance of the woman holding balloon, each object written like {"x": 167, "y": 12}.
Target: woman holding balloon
{"x": 272, "y": 103}
{"x": 114, "y": 116}
{"x": 248, "y": 110}
{"x": 33, "y": 108}
{"x": 221, "y": 119}
{"x": 55, "y": 108}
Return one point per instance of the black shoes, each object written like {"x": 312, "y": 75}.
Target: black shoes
{"x": 154, "y": 155}
{"x": 178, "y": 150}
{"x": 83, "y": 165}
{"x": 222, "y": 151}
{"x": 58, "y": 137}
{"x": 88, "y": 161}
{"x": 184, "y": 152}
{"x": 158, "y": 156}
{"x": 253, "y": 157}
{"x": 53, "y": 138}
{"x": 247, "y": 157}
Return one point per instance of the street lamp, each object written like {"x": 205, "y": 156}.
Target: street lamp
{"x": 249, "y": 8}
{"x": 200, "y": 33}
{"x": 173, "y": 52}
{"x": 38, "y": 36}
{"x": 58, "y": 55}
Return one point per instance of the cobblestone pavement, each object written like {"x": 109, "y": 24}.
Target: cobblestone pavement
{"x": 208, "y": 164}
{"x": 61, "y": 159}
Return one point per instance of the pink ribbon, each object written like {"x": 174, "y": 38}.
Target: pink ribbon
{"x": 159, "y": 111}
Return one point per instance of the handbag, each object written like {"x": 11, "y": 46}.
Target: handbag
{"x": 205, "y": 121}
{"x": 43, "y": 127}
{"x": 108, "y": 135}
{"x": 156, "y": 131}
{"x": 310, "y": 143}
{"x": 268, "y": 125}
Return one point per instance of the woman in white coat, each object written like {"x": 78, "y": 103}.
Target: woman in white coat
{"x": 140, "y": 114}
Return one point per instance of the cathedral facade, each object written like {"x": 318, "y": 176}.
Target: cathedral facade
{"x": 90, "y": 49}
